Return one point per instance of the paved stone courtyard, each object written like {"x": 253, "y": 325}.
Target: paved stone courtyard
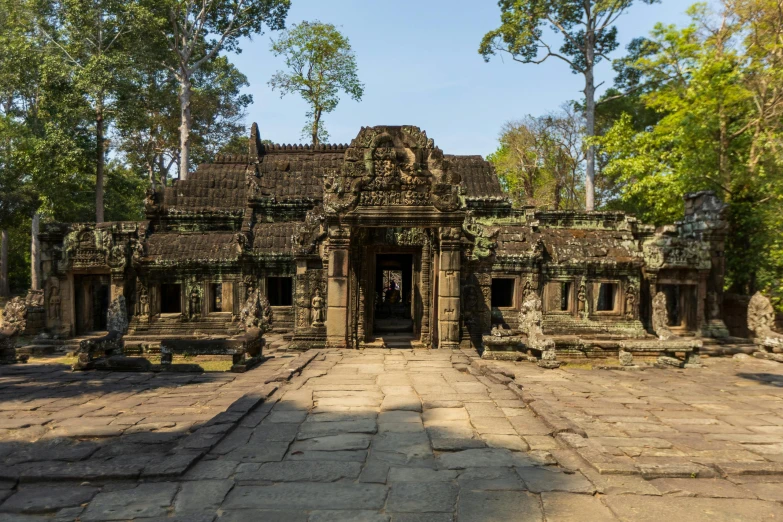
{"x": 396, "y": 435}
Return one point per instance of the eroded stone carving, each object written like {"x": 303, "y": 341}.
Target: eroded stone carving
{"x": 15, "y": 315}
{"x": 117, "y": 317}
{"x": 54, "y": 303}
{"x": 761, "y": 321}
{"x": 256, "y": 313}
{"x": 660, "y": 317}
{"x": 530, "y": 319}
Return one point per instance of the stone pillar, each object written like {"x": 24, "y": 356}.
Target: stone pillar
{"x": 337, "y": 287}
{"x": 426, "y": 295}
{"x": 449, "y": 288}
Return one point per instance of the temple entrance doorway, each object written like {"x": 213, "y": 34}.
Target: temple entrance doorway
{"x": 91, "y": 304}
{"x": 393, "y": 294}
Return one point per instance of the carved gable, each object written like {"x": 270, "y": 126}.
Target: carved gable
{"x": 392, "y": 166}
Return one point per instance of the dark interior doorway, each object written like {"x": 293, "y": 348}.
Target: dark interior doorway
{"x": 393, "y": 293}
{"x": 91, "y": 303}
{"x": 170, "y": 298}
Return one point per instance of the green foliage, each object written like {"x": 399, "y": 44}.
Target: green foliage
{"x": 588, "y": 35}
{"x": 715, "y": 124}
{"x": 320, "y": 64}
{"x": 586, "y": 28}
{"x": 540, "y": 161}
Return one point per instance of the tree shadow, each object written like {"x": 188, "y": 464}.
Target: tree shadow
{"x": 771, "y": 379}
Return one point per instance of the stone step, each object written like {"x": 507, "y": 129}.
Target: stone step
{"x": 36, "y": 350}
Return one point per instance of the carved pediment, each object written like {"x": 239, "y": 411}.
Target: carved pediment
{"x": 392, "y": 166}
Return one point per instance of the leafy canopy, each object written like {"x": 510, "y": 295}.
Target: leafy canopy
{"x": 320, "y": 64}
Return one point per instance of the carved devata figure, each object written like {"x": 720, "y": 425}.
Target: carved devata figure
{"x": 318, "y": 309}
{"x": 761, "y": 321}
{"x": 194, "y": 302}
{"x": 54, "y": 303}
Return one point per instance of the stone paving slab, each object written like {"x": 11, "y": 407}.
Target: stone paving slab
{"x": 414, "y": 436}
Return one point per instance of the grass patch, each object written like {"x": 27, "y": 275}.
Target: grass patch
{"x": 207, "y": 362}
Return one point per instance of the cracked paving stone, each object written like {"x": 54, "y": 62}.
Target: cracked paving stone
{"x": 568, "y": 507}
{"x": 299, "y": 471}
{"x": 491, "y": 479}
{"x": 342, "y": 442}
{"x": 347, "y": 516}
{"x": 145, "y": 500}
{"x": 201, "y": 495}
{"x": 307, "y": 496}
{"x": 47, "y": 499}
{"x": 538, "y": 479}
{"x": 311, "y": 430}
{"x": 422, "y": 497}
{"x": 505, "y": 506}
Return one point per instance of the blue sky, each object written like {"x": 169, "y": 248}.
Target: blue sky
{"x": 420, "y": 66}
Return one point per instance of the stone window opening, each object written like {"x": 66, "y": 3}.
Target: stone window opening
{"x": 170, "y": 298}
{"x": 216, "y": 290}
{"x": 606, "y": 297}
{"x": 502, "y": 292}
{"x": 565, "y": 296}
{"x": 279, "y": 291}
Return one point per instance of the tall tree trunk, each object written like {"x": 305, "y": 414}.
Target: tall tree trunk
{"x": 590, "y": 130}
{"x": 316, "y": 124}
{"x": 185, "y": 125}
{"x": 101, "y": 160}
{"x": 35, "y": 254}
{"x": 4, "y": 288}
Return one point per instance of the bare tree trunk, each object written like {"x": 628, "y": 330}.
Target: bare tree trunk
{"x": 590, "y": 130}
{"x": 316, "y": 124}
{"x": 4, "y": 288}
{"x": 101, "y": 160}
{"x": 35, "y": 254}
{"x": 185, "y": 125}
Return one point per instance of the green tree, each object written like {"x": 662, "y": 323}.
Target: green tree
{"x": 716, "y": 88}
{"x": 588, "y": 36}
{"x": 540, "y": 160}
{"x": 91, "y": 39}
{"x": 147, "y": 126}
{"x": 186, "y": 35}
{"x": 320, "y": 64}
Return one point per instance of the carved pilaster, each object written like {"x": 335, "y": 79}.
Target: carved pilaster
{"x": 338, "y": 249}
{"x": 449, "y": 288}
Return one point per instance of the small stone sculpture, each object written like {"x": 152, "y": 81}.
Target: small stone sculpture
{"x": 15, "y": 315}
{"x": 761, "y": 320}
{"x": 195, "y": 303}
{"x": 660, "y": 317}
{"x": 318, "y": 309}
{"x": 117, "y": 317}
{"x": 54, "y": 303}
{"x": 256, "y": 313}
{"x": 530, "y": 319}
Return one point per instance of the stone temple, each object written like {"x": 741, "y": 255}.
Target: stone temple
{"x": 388, "y": 242}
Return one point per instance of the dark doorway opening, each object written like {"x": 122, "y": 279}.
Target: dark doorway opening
{"x": 91, "y": 297}
{"x": 280, "y": 291}
{"x": 680, "y": 305}
{"x": 170, "y": 299}
{"x": 393, "y": 293}
{"x": 502, "y": 292}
